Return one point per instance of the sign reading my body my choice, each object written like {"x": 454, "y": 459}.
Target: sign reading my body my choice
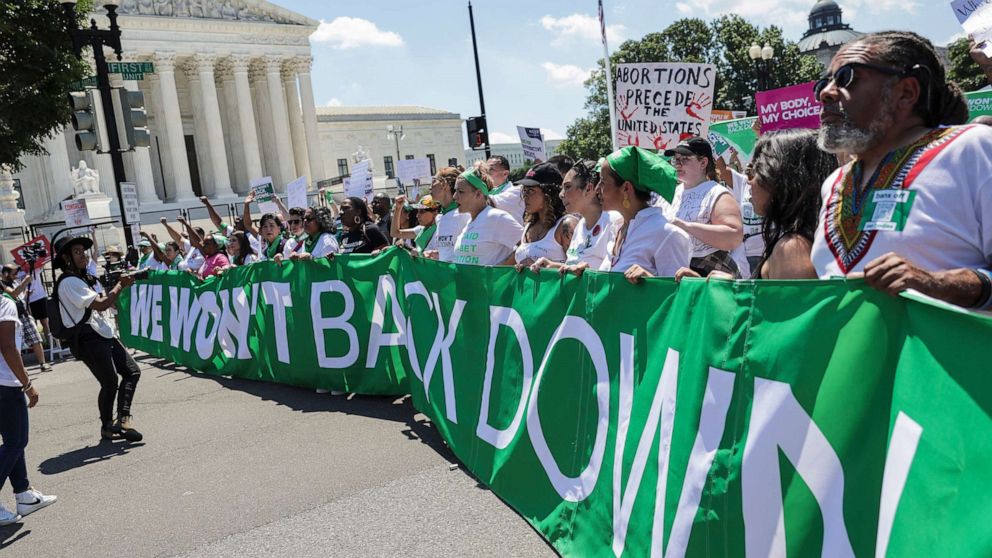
{"x": 789, "y": 107}
{"x": 660, "y": 103}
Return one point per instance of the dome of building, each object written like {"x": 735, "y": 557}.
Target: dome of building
{"x": 826, "y": 28}
{"x": 823, "y": 6}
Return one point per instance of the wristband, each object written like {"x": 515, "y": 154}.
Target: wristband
{"x": 985, "y": 295}
{"x": 27, "y": 387}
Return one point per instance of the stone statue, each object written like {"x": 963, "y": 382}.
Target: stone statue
{"x": 145, "y": 7}
{"x": 360, "y": 155}
{"x": 228, "y": 11}
{"x": 163, "y": 7}
{"x": 196, "y": 8}
{"x": 84, "y": 180}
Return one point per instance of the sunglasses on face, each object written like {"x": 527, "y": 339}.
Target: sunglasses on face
{"x": 295, "y": 221}
{"x": 844, "y": 76}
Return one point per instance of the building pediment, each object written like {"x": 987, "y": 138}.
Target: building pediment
{"x": 256, "y": 11}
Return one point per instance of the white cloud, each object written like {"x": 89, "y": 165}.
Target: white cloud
{"x": 500, "y": 137}
{"x": 352, "y": 32}
{"x": 565, "y": 75}
{"x": 788, "y": 14}
{"x": 580, "y": 27}
{"x": 335, "y": 102}
{"x": 550, "y": 134}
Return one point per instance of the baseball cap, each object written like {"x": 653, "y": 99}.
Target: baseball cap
{"x": 697, "y": 146}
{"x": 541, "y": 173}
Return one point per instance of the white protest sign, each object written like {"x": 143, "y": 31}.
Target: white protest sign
{"x": 660, "y": 103}
{"x": 359, "y": 184}
{"x": 975, "y": 16}
{"x": 410, "y": 170}
{"x": 76, "y": 214}
{"x": 297, "y": 192}
{"x": 129, "y": 198}
{"x": 532, "y": 143}
{"x": 264, "y": 193}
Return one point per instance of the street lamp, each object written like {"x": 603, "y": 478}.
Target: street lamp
{"x": 395, "y": 133}
{"x": 96, "y": 39}
{"x": 762, "y": 58}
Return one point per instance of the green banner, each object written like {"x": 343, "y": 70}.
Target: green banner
{"x": 979, "y": 103}
{"x": 738, "y": 134}
{"x": 750, "y": 418}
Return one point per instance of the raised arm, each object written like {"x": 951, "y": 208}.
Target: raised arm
{"x": 394, "y": 227}
{"x": 159, "y": 254}
{"x": 214, "y": 217}
{"x": 195, "y": 240}
{"x": 246, "y": 215}
{"x": 172, "y": 232}
{"x": 283, "y": 211}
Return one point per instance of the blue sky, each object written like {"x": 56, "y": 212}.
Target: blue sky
{"x": 534, "y": 54}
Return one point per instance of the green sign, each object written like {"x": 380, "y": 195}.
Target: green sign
{"x": 83, "y": 83}
{"x": 749, "y": 418}
{"x": 131, "y": 68}
{"x": 738, "y": 134}
{"x": 979, "y": 103}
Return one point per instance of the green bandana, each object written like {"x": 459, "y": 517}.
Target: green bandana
{"x": 271, "y": 250}
{"x": 310, "y": 243}
{"x": 475, "y": 181}
{"x": 424, "y": 238}
{"x": 646, "y": 170}
{"x": 451, "y": 207}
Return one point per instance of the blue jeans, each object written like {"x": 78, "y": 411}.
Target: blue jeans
{"x": 14, "y": 430}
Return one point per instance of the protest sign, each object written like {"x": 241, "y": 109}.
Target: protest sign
{"x": 738, "y": 135}
{"x": 359, "y": 184}
{"x": 979, "y": 103}
{"x": 33, "y": 254}
{"x": 76, "y": 214}
{"x": 720, "y": 115}
{"x": 296, "y": 192}
{"x": 264, "y": 194}
{"x": 410, "y": 171}
{"x": 660, "y": 103}
{"x": 975, "y": 17}
{"x": 129, "y": 199}
{"x": 532, "y": 142}
{"x": 711, "y": 418}
{"x": 788, "y": 107}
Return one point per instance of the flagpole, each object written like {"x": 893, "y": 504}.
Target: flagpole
{"x": 609, "y": 79}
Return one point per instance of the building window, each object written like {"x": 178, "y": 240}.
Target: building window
{"x": 430, "y": 157}
{"x": 408, "y": 157}
{"x": 387, "y": 164}
{"x": 342, "y": 167}
{"x": 453, "y": 162}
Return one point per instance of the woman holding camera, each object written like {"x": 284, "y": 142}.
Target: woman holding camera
{"x": 93, "y": 340}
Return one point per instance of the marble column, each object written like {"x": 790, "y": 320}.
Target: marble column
{"x": 160, "y": 140}
{"x": 165, "y": 67}
{"x": 314, "y": 150}
{"x": 105, "y": 167}
{"x": 60, "y": 167}
{"x": 216, "y": 154}
{"x": 141, "y": 163}
{"x": 295, "y": 119}
{"x": 263, "y": 111}
{"x": 203, "y": 165}
{"x": 229, "y": 117}
{"x": 246, "y": 117}
{"x": 285, "y": 165}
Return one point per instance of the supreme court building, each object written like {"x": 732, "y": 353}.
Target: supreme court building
{"x": 230, "y": 100}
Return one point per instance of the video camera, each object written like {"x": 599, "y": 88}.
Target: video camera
{"x": 33, "y": 252}
{"x": 113, "y": 271}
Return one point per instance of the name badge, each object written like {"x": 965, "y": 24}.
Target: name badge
{"x": 887, "y": 210}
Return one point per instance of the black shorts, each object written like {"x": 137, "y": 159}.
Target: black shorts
{"x": 39, "y": 309}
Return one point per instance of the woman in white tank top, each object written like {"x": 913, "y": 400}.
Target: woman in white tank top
{"x": 548, "y": 230}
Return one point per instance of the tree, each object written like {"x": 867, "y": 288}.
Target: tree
{"x": 724, "y": 43}
{"x": 37, "y": 68}
{"x": 963, "y": 69}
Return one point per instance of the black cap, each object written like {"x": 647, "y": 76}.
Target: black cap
{"x": 693, "y": 146}
{"x": 542, "y": 173}
{"x": 64, "y": 244}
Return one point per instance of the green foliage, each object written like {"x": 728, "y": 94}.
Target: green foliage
{"x": 724, "y": 43}
{"x": 963, "y": 69}
{"x": 37, "y": 66}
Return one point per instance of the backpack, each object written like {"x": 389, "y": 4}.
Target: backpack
{"x": 61, "y": 331}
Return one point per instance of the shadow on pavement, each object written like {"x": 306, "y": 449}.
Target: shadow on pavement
{"x": 383, "y": 407}
{"x": 106, "y": 449}
{"x": 7, "y": 533}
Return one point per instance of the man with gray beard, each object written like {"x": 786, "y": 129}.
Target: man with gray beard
{"x": 913, "y": 209}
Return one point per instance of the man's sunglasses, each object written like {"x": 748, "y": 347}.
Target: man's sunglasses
{"x": 295, "y": 221}
{"x": 844, "y": 76}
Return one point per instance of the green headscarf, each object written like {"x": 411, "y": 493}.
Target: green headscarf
{"x": 646, "y": 170}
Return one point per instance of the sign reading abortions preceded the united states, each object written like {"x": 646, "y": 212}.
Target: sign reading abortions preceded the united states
{"x": 660, "y": 103}
{"x": 788, "y": 107}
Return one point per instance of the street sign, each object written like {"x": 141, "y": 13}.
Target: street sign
{"x": 83, "y": 83}
{"x": 131, "y": 71}
{"x": 129, "y": 199}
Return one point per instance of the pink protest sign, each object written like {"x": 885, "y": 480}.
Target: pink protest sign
{"x": 788, "y": 107}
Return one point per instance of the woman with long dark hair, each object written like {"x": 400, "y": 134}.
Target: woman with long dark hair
{"x": 318, "y": 239}
{"x": 269, "y": 238}
{"x": 361, "y": 235}
{"x": 547, "y": 229}
{"x": 239, "y": 250}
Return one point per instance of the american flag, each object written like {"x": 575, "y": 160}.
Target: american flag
{"x": 602, "y": 22}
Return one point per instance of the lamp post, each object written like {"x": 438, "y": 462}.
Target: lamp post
{"x": 762, "y": 58}
{"x": 97, "y": 39}
{"x": 395, "y": 132}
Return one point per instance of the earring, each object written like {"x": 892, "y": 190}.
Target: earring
{"x": 626, "y": 201}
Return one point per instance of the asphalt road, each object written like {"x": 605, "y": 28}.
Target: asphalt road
{"x": 241, "y": 469}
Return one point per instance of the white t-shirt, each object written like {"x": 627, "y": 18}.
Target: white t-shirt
{"x": 37, "y": 287}
{"x": 653, "y": 243}
{"x": 193, "y": 259}
{"x": 754, "y": 244}
{"x": 489, "y": 239}
{"x": 8, "y": 313}
{"x": 326, "y": 244}
{"x": 449, "y": 225}
{"x": 547, "y": 247}
{"x": 75, "y": 296}
{"x": 695, "y": 205}
{"x": 949, "y": 222}
{"x": 590, "y": 245}
{"x": 507, "y": 197}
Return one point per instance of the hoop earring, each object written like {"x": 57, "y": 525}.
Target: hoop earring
{"x": 626, "y": 201}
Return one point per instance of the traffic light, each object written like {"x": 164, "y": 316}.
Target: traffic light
{"x": 84, "y": 120}
{"x": 134, "y": 119}
{"x": 478, "y": 133}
